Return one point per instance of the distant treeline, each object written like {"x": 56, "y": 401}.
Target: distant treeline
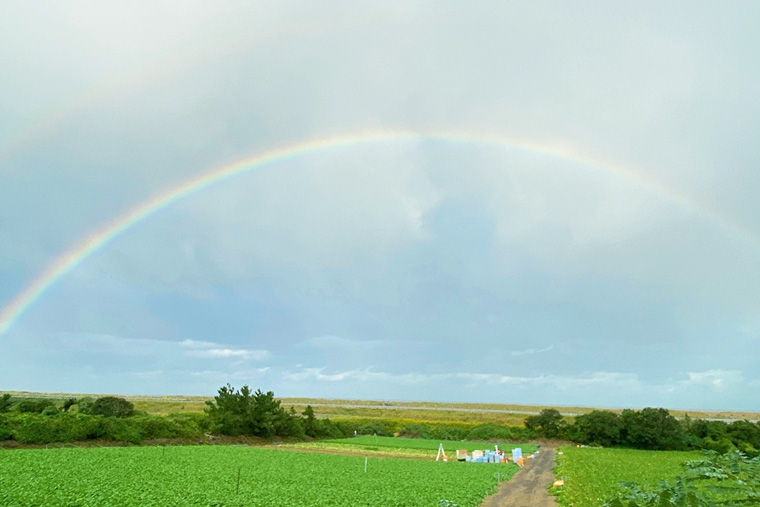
{"x": 650, "y": 428}
{"x": 244, "y": 412}
{"x": 232, "y": 412}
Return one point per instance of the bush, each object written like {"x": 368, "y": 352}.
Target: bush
{"x": 112, "y": 406}
{"x": 6, "y": 432}
{"x": 599, "y": 427}
{"x": 497, "y": 432}
{"x": 548, "y": 423}
{"x": 33, "y": 406}
{"x": 50, "y": 410}
{"x": 84, "y": 405}
{"x": 652, "y": 429}
{"x": 5, "y": 403}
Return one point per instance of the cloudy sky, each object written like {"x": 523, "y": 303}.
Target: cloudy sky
{"x": 570, "y": 216}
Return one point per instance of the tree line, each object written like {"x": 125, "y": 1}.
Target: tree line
{"x": 244, "y": 412}
{"x": 649, "y": 428}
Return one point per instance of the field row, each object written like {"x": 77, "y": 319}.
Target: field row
{"x": 235, "y": 476}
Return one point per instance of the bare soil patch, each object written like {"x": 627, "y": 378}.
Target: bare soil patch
{"x": 529, "y": 486}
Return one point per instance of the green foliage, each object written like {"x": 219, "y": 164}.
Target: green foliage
{"x": 68, "y": 403}
{"x": 319, "y": 428}
{"x": 718, "y": 479}
{"x": 593, "y": 475}
{"x": 721, "y": 445}
{"x": 497, "y": 432}
{"x": 599, "y": 427}
{"x": 5, "y": 403}
{"x": 738, "y": 476}
{"x": 72, "y": 427}
{"x": 207, "y": 475}
{"x": 548, "y": 423}
{"x": 33, "y": 406}
{"x": 6, "y": 432}
{"x": 652, "y": 429}
{"x": 679, "y": 494}
{"x": 84, "y": 405}
{"x": 50, "y": 410}
{"x": 112, "y": 406}
{"x": 744, "y": 432}
{"x": 242, "y": 412}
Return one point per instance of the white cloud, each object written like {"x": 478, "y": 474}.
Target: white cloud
{"x": 332, "y": 342}
{"x": 564, "y": 383}
{"x": 246, "y": 354}
{"x": 715, "y": 379}
{"x": 531, "y": 351}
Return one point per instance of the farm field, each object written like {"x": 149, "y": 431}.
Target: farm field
{"x": 208, "y": 475}
{"x": 593, "y": 475}
{"x": 423, "y": 444}
{"x": 402, "y": 447}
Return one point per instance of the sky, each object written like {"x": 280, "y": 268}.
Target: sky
{"x": 506, "y": 202}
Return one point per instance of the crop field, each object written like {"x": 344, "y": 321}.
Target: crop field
{"x": 208, "y": 475}
{"x": 427, "y": 445}
{"x": 397, "y": 446}
{"x": 594, "y": 475}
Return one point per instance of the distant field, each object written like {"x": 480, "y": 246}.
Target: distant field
{"x": 422, "y": 411}
{"x": 208, "y": 475}
{"x": 432, "y": 445}
{"x": 594, "y": 475}
{"x": 401, "y": 447}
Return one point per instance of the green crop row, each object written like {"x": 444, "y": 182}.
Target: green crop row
{"x": 593, "y": 475}
{"x": 234, "y": 476}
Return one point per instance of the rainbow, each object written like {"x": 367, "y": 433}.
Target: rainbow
{"x": 75, "y": 256}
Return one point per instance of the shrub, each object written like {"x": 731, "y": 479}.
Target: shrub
{"x": 112, "y": 406}
{"x": 84, "y": 405}
{"x": 6, "y": 432}
{"x": 5, "y": 403}
{"x": 548, "y": 423}
{"x": 497, "y": 432}
{"x": 652, "y": 429}
{"x": 599, "y": 427}
{"x": 33, "y": 406}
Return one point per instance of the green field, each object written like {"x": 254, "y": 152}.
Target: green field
{"x": 207, "y": 475}
{"x": 427, "y": 445}
{"x": 594, "y": 475}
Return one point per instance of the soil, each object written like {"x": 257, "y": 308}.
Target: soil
{"x": 529, "y": 486}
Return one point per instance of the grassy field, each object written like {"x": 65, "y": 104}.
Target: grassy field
{"x": 208, "y": 475}
{"x": 594, "y": 475}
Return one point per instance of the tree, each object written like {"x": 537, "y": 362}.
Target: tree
{"x": 652, "y": 429}
{"x": 241, "y": 412}
{"x": 548, "y": 423}
{"x": 112, "y": 406}
{"x": 309, "y": 422}
{"x": 599, "y": 427}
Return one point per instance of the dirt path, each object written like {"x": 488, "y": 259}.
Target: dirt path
{"x": 528, "y": 487}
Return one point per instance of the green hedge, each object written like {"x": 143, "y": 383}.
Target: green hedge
{"x": 65, "y": 427}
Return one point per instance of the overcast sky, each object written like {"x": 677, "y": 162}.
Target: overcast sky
{"x": 614, "y": 264}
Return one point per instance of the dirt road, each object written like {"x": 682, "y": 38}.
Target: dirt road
{"x": 528, "y": 487}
